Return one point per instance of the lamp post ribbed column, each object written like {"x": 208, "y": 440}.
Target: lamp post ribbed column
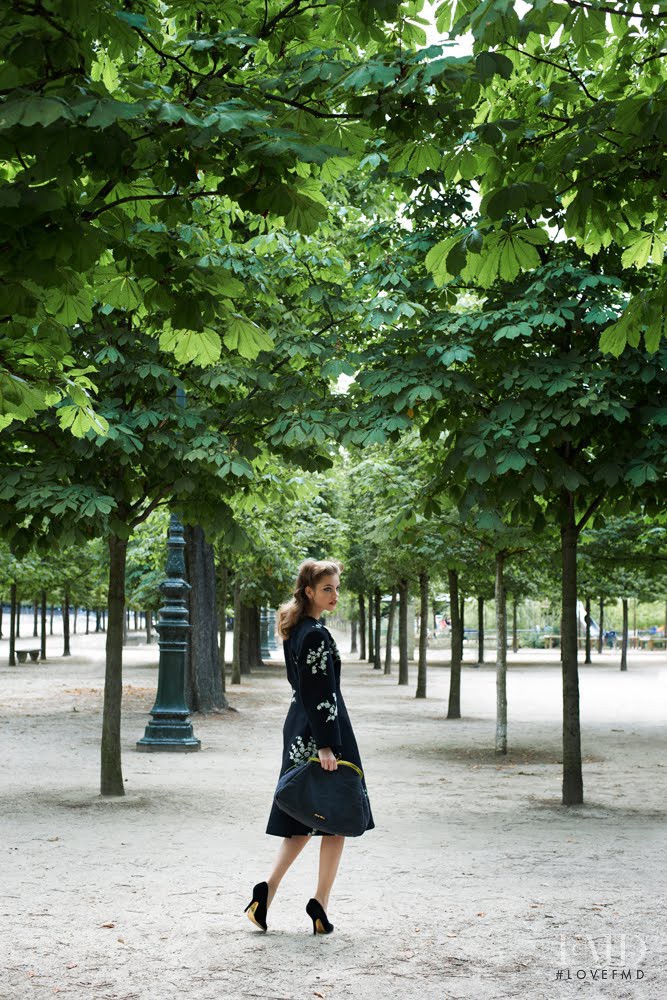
{"x": 170, "y": 728}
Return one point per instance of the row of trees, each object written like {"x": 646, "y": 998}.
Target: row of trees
{"x": 620, "y": 561}
{"x": 214, "y": 216}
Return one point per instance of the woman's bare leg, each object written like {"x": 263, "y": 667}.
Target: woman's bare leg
{"x": 290, "y": 849}
{"x": 331, "y": 849}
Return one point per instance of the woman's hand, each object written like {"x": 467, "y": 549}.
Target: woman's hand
{"x": 327, "y": 758}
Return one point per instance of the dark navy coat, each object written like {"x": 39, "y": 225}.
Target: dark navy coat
{"x": 317, "y": 716}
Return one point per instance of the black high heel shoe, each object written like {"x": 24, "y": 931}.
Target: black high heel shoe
{"x": 315, "y": 911}
{"x": 256, "y": 908}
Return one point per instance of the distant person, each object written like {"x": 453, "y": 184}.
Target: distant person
{"x": 317, "y": 725}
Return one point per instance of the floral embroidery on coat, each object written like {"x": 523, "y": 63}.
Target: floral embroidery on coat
{"x": 332, "y": 709}
{"x": 316, "y": 659}
{"x": 299, "y": 752}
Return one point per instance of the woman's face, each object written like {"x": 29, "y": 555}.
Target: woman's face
{"x": 324, "y": 595}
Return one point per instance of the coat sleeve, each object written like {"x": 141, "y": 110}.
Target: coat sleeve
{"x": 317, "y": 687}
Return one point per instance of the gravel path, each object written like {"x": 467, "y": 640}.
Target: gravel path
{"x": 476, "y": 882}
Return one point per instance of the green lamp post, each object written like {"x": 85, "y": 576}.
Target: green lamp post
{"x": 170, "y": 728}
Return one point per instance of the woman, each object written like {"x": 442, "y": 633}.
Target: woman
{"x": 317, "y": 724}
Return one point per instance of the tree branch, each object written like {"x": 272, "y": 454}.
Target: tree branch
{"x": 295, "y": 104}
{"x": 155, "y": 502}
{"x": 165, "y": 55}
{"x": 549, "y": 62}
{"x": 149, "y": 197}
{"x": 292, "y": 8}
{"x": 592, "y": 507}
{"x": 613, "y": 10}
{"x": 579, "y": 80}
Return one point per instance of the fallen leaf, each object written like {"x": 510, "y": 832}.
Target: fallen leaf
{"x": 122, "y": 940}
{"x": 110, "y": 924}
{"x": 481, "y": 914}
{"x": 72, "y": 965}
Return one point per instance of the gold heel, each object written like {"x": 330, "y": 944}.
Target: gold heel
{"x": 321, "y": 923}
{"x": 260, "y": 895}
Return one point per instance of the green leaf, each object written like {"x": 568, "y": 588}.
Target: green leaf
{"x": 244, "y": 336}
{"x": 642, "y": 247}
{"x": 505, "y": 253}
{"x": 69, "y": 308}
{"x": 436, "y": 259}
{"x": 119, "y": 290}
{"x": 81, "y": 419}
{"x": 34, "y": 110}
{"x": 201, "y": 347}
{"x": 642, "y": 472}
{"x": 614, "y": 338}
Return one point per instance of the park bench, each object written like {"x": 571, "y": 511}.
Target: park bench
{"x": 22, "y": 654}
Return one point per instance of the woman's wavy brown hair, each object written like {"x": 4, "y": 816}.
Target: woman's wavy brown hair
{"x": 311, "y": 572}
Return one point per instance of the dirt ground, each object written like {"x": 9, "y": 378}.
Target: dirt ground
{"x": 475, "y": 883}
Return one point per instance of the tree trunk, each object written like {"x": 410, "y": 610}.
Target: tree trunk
{"x": 52, "y": 611}
{"x": 515, "y": 626}
{"x": 149, "y": 627}
{"x": 403, "y": 631}
{"x": 223, "y": 584}
{"x": 136, "y": 622}
{"x": 35, "y": 614}
{"x": 246, "y": 622}
{"x": 17, "y": 632}
{"x": 236, "y": 635}
{"x": 353, "y": 636}
{"x": 454, "y": 707}
{"x": 377, "y": 660}
{"x": 2, "y": 614}
{"x": 111, "y": 766}
{"x": 42, "y": 651}
{"x": 87, "y": 621}
{"x": 203, "y": 692}
{"x": 573, "y": 786}
{"x": 624, "y": 642}
{"x": 423, "y": 634}
{"x": 362, "y": 627}
{"x": 501, "y": 654}
{"x": 66, "y": 649}
{"x": 601, "y": 625}
{"x": 480, "y": 630}
{"x": 371, "y": 634}
{"x": 254, "y": 637}
{"x": 12, "y": 625}
{"x": 98, "y": 619}
{"x": 76, "y": 611}
{"x": 462, "y": 611}
{"x": 587, "y": 658}
{"x": 390, "y": 631}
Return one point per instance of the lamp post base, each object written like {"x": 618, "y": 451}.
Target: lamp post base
{"x": 169, "y": 734}
{"x": 147, "y": 745}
